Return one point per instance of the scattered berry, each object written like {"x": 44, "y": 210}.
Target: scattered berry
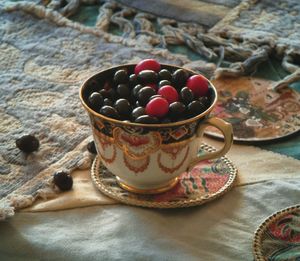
{"x": 157, "y": 107}
{"x": 147, "y": 64}
{"x": 198, "y": 84}
{"x": 28, "y": 143}
{"x": 91, "y": 147}
{"x": 63, "y": 180}
{"x": 169, "y": 93}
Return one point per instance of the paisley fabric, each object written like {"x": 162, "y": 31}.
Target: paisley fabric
{"x": 280, "y": 238}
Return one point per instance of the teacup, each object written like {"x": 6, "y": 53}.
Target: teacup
{"x": 148, "y": 158}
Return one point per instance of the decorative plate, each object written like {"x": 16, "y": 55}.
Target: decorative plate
{"x": 205, "y": 182}
{"x": 255, "y": 112}
{"x": 278, "y": 237}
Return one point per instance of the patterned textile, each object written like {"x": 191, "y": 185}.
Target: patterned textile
{"x": 279, "y": 236}
{"x": 42, "y": 66}
{"x": 44, "y": 56}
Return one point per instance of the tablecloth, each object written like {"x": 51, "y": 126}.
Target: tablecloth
{"x": 221, "y": 230}
{"x": 102, "y": 229}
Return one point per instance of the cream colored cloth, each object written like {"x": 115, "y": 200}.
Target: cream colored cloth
{"x": 254, "y": 165}
{"x": 83, "y": 194}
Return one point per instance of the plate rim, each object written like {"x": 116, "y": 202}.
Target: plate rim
{"x": 257, "y": 244}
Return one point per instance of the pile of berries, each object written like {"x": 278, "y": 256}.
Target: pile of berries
{"x": 151, "y": 95}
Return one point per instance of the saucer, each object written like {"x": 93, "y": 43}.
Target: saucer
{"x": 256, "y": 112}
{"x": 278, "y": 237}
{"x": 208, "y": 180}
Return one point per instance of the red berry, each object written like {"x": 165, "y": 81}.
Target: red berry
{"x": 147, "y": 64}
{"x": 158, "y": 107}
{"x": 198, "y": 84}
{"x": 169, "y": 93}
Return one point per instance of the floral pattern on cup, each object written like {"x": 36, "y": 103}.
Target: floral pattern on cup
{"x": 137, "y": 146}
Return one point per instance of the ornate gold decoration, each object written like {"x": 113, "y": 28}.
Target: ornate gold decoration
{"x": 178, "y": 133}
{"x": 109, "y": 160}
{"x": 118, "y": 194}
{"x": 105, "y": 142}
{"x": 137, "y": 146}
{"x": 99, "y": 123}
{"x": 171, "y": 170}
{"x": 172, "y": 183}
{"x": 136, "y": 165}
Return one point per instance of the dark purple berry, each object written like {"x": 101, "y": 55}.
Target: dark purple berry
{"x": 136, "y": 89}
{"x": 96, "y": 101}
{"x": 123, "y": 107}
{"x": 147, "y": 76}
{"x": 186, "y": 95}
{"x": 123, "y": 91}
{"x": 91, "y": 147}
{"x": 120, "y": 77}
{"x": 137, "y": 112}
{"x": 165, "y": 75}
{"x": 144, "y": 94}
{"x": 195, "y": 108}
{"x": 133, "y": 81}
{"x": 105, "y": 93}
{"x": 110, "y": 112}
{"x": 204, "y": 100}
{"x": 176, "y": 110}
{"x": 163, "y": 83}
{"x": 28, "y": 143}
{"x": 147, "y": 119}
{"x": 63, "y": 180}
{"x": 179, "y": 78}
{"x": 154, "y": 96}
{"x": 107, "y": 102}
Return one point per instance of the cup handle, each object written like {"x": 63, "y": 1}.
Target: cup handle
{"x": 227, "y": 132}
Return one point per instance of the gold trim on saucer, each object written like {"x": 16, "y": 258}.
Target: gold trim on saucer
{"x": 172, "y": 183}
{"x": 109, "y": 188}
{"x": 257, "y": 245}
